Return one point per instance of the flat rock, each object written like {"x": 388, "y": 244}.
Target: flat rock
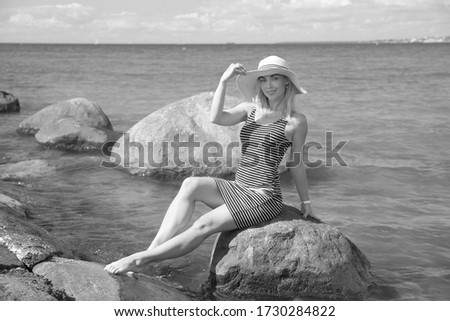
{"x": 84, "y": 281}
{"x": 289, "y": 257}
{"x": 25, "y": 169}
{"x": 21, "y": 285}
{"x": 179, "y": 140}
{"x": 30, "y": 243}
{"x": 8, "y": 103}
{"x": 80, "y": 109}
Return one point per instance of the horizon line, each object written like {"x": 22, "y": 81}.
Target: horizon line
{"x": 219, "y": 43}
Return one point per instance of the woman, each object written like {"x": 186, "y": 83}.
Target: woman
{"x": 271, "y": 126}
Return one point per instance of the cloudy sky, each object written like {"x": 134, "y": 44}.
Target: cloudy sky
{"x": 218, "y": 21}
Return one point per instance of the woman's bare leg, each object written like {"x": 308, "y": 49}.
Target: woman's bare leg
{"x": 217, "y": 220}
{"x": 179, "y": 213}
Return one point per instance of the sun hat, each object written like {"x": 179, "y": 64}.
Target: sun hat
{"x": 248, "y": 83}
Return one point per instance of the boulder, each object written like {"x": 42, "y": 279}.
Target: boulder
{"x": 289, "y": 257}
{"x": 80, "y": 109}
{"x": 21, "y": 285}
{"x": 76, "y": 124}
{"x": 179, "y": 140}
{"x": 88, "y": 281}
{"x": 84, "y": 281}
{"x": 67, "y": 133}
{"x": 8, "y": 103}
{"x": 30, "y": 243}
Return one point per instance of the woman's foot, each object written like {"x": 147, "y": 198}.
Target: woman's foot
{"x": 126, "y": 264}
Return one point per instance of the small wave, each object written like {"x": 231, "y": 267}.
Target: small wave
{"x": 388, "y": 163}
{"x": 439, "y": 74}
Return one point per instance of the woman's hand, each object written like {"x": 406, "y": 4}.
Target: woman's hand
{"x": 306, "y": 210}
{"x": 233, "y": 70}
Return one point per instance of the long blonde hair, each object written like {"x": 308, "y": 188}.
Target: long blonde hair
{"x": 287, "y": 105}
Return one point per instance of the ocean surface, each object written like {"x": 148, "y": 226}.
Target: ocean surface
{"x": 390, "y": 103}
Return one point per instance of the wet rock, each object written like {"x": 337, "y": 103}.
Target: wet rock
{"x": 25, "y": 169}
{"x": 143, "y": 288}
{"x": 289, "y": 257}
{"x": 80, "y": 109}
{"x": 179, "y": 140}
{"x": 21, "y": 285}
{"x": 67, "y": 133}
{"x": 30, "y": 243}
{"x": 84, "y": 281}
{"x": 8, "y": 260}
{"x": 14, "y": 206}
{"x": 8, "y": 103}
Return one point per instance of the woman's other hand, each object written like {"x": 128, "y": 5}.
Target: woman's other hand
{"x": 306, "y": 210}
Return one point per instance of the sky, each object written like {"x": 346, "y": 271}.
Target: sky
{"x": 220, "y": 21}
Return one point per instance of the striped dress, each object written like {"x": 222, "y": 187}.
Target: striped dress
{"x": 255, "y": 195}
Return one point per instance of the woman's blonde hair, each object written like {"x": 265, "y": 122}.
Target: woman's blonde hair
{"x": 287, "y": 104}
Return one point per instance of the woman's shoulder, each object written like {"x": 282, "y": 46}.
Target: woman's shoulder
{"x": 246, "y": 106}
{"x": 298, "y": 120}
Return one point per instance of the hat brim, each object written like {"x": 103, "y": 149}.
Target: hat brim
{"x": 248, "y": 83}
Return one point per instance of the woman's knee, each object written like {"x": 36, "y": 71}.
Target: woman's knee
{"x": 190, "y": 185}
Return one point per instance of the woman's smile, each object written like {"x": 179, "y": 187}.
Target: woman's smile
{"x": 273, "y": 86}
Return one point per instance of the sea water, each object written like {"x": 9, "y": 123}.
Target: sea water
{"x": 388, "y": 104}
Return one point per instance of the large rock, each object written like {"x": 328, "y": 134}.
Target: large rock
{"x": 88, "y": 281}
{"x": 30, "y": 243}
{"x": 289, "y": 257}
{"x": 74, "y": 124}
{"x": 179, "y": 140}
{"x": 83, "y": 281}
{"x": 8, "y": 103}
{"x": 21, "y": 285}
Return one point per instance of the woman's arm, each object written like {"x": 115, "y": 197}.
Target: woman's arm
{"x": 297, "y": 168}
{"x": 230, "y": 116}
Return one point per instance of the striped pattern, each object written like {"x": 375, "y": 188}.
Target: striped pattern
{"x": 255, "y": 195}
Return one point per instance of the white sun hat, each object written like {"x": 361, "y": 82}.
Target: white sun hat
{"x": 248, "y": 83}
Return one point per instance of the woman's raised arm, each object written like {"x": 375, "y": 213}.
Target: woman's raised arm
{"x": 234, "y": 115}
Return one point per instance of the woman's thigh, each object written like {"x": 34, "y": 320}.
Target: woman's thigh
{"x": 203, "y": 189}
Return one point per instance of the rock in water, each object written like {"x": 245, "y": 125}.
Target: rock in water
{"x": 79, "y": 109}
{"x": 8, "y": 103}
{"x": 289, "y": 257}
{"x": 69, "y": 134}
{"x": 179, "y": 140}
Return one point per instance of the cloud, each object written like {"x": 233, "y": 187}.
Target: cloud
{"x": 52, "y": 16}
{"x": 238, "y": 20}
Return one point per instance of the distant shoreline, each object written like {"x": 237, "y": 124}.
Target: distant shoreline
{"x": 421, "y": 40}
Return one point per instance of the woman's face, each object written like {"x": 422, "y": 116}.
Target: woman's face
{"x": 273, "y": 86}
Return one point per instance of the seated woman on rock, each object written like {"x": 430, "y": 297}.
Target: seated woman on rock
{"x": 272, "y": 125}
